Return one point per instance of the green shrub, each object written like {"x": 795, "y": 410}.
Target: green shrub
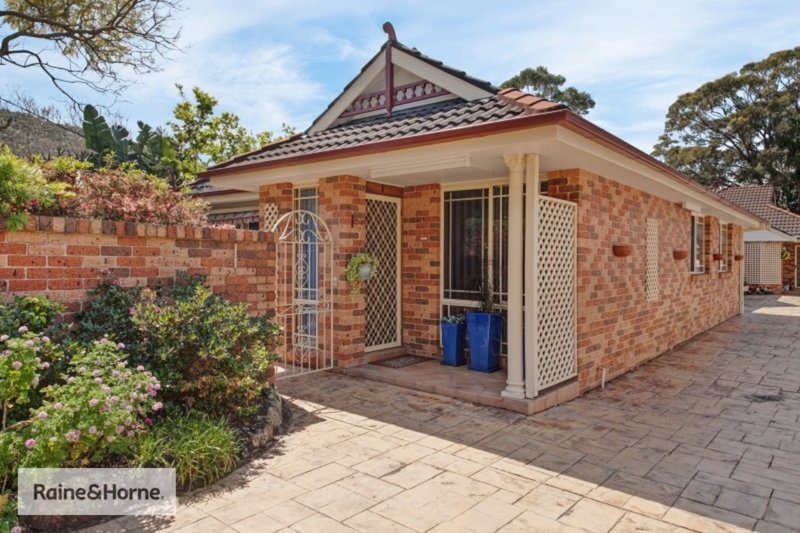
{"x": 37, "y": 313}
{"x": 8, "y": 512}
{"x": 125, "y": 194}
{"x": 19, "y": 371}
{"x": 97, "y": 412}
{"x": 209, "y": 354}
{"x": 109, "y": 314}
{"x": 201, "y": 449}
{"x": 22, "y": 188}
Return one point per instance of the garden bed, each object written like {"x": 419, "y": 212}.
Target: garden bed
{"x": 172, "y": 378}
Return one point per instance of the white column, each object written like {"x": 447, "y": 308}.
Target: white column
{"x": 741, "y": 273}
{"x": 531, "y": 274}
{"x": 515, "y": 383}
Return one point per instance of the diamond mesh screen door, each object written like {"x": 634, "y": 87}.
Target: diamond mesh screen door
{"x": 383, "y": 290}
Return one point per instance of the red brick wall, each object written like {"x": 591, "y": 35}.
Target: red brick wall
{"x": 63, "y": 257}
{"x": 789, "y": 266}
{"x": 617, "y": 328}
{"x": 421, "y": 256}
{"x": 343, "y": 207}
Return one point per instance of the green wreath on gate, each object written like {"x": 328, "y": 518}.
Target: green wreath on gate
{"x": 352, "y": 274}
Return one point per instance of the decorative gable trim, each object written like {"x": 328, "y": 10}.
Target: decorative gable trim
{"x": 436, "y": 82}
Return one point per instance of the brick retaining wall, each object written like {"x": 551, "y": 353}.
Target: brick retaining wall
{"x": 62, "y": 258}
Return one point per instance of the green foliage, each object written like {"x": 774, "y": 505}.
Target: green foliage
{"x": 34, "y": 312}
{"x": 743, "y": 128}
{"x": 209, "y": 354}
{"x": 19, "y": 370}
{"x": 64, "y": 169}
{"x": 541, "y": 82}
{"x": 201, "y": 449}
{"x": 109, "y": 313}
{"x": 22, "y": 187}
{"x": 8, "y": 508}
{"x": 351, "y": 273}
{"x": 454, "y": 319}
{"x": 203, "y": 137}
{"x": 151, "y": 151}
{"x": 97, "y": 412}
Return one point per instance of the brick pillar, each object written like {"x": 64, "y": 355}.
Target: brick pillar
{"x": 274, "y": 200}
{"x": 343, "y": 206}
{"x": 421, "y": 306}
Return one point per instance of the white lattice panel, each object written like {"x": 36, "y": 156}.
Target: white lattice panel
{"x": 269, "y": 215}
{"x": 382, "y": 319}
{"x": 752, "y": 263}
{"x": 771, "y": 263}
{"x": 651, "y": 261}
{"x": 556, "y": 357}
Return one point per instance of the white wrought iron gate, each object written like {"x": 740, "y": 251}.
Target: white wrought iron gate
{"x": 383, "y": 290}
{"x": 304, "y": 293}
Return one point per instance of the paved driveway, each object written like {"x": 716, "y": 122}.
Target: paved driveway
{"x": 683, "y": 442}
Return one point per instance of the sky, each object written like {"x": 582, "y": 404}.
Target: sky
{"x": 282, "y": 61}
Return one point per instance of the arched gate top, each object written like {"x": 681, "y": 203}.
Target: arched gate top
{"x": 302, "y": 226}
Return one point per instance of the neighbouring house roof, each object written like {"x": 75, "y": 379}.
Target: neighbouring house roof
{"x": 507, "y": 104}
{"x": 760, "y": 200}
{"x": 238, "y": 217}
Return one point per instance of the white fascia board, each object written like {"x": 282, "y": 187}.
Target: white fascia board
{"x": 708, "y": 204}
{"x": 346, "y": 98}
{"x": 768, "y": 235}
{"x": 524, "y": 141}
{"x": 447, "y": 81}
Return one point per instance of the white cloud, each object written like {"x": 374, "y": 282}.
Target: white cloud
{"x": 284, "y": 60}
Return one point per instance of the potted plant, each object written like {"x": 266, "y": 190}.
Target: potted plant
{"x": 361, "y": 267}
{"x": 454, "y": 332}
{"x": 485, "y": 330}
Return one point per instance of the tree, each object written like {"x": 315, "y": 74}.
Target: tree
{"x": 203, "y": 138}
{"x": 86, "y": 42}
{"x": 743, "y": 128}
{"x": 152, "y": 150}
{"x": 542, "y": 82}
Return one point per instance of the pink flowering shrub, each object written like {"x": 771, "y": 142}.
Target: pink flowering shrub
{"x": 99, "y": 411}
{"x": 130, "y": 196}
{"x": 20, "y": 366}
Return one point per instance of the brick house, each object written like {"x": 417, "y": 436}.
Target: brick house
{"x": 611, "y": 252}
{"x": 771, "y": 254}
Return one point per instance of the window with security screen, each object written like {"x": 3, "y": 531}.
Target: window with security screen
{"x": 698, "y": 241}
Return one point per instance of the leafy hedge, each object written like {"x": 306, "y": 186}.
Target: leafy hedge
{"x": 68, "y": 187}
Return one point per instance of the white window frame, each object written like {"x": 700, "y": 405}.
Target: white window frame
{"x": 723, "y": 247}
{"x": 697, "y": 241}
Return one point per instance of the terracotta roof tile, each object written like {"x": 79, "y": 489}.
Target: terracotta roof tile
{"x": 507, "y": 105}
{"x": 760, "y": 200}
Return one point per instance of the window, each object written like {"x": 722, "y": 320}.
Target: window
{"x": 723, "y": 247}
{"x": 698, "y": 241}
{"x": 475, "y": 234}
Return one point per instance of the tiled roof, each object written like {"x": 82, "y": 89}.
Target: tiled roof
{"x": 508, "y": 104}
{"x": 750, "y": 196}
{"x": 759, "y": 200}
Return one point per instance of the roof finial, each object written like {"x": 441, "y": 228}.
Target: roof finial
{"x": 389, "y": 30}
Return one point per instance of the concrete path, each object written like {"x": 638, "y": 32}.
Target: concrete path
{"x": 684, "y": 443}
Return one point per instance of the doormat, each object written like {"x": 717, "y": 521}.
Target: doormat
{"x": 402, "y": 360}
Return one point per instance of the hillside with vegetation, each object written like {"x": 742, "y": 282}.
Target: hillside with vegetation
{"x": 28, "y": 135}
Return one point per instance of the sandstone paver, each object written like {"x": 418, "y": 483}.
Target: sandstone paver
{"x": 682, "y": 442}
